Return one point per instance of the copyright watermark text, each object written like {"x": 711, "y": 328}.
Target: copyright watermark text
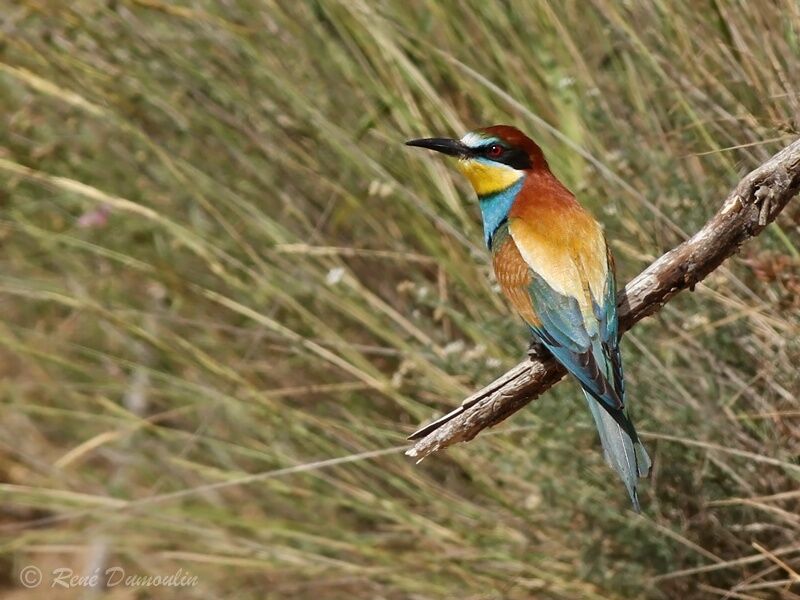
{"x": 32, "y": 576}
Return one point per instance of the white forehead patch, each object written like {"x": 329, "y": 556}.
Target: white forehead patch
{"x": 473, "y": 139}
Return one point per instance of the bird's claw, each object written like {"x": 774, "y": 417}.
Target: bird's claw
{"x": 537, "y": 350}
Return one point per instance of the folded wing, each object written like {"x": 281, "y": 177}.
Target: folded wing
{"x": 560, "y": 278}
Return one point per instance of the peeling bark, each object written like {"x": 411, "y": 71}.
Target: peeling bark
{"x": 749, "y": 208}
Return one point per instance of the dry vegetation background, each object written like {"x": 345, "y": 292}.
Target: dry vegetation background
{"x": 219, "y": 260}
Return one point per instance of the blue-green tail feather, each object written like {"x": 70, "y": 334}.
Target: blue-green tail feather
{"x": 623, "y": 454}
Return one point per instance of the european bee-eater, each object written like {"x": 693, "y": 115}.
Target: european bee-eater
{"x": 553, "y": 264}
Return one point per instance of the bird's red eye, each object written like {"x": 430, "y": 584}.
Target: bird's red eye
{"x": 495, "y": 150}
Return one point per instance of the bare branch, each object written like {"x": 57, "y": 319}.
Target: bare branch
{"x": 755, "y": 202}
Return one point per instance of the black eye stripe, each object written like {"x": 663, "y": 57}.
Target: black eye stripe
{"x": 517, "y": 159}
{"x": 513, "y": 157}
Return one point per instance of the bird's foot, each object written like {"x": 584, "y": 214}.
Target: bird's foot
{"x": 537, "y": 350}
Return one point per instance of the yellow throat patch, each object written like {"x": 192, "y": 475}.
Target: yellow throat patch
{"x": 488, "y": 179}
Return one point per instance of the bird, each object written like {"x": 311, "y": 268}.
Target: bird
{"x": 553, "y": 264}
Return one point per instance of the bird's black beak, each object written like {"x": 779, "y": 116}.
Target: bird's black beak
{"x": 443, "y": 145}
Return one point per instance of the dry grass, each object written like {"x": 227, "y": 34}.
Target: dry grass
{"x": 221, "y": 266}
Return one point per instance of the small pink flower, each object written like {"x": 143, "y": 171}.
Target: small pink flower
{"x": 95, "y": 218}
